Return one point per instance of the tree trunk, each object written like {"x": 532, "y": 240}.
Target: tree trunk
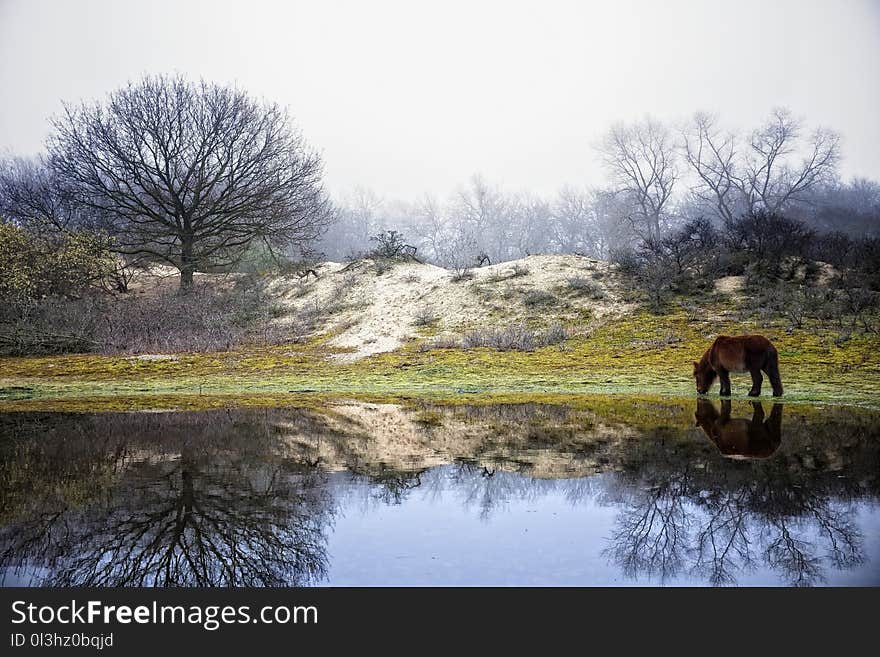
{"x": 187, "y": 264}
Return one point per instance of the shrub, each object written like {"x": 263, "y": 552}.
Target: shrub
{"x": 763, "y": 242}
{"x": 628, "y": 263}
{"x": 425, "y": 316}
{"x": 382, "y": 265}
{"x": 461, "y": 273}
{"x": 585, "y": 287}
{"x": 514, "y": 338}
{"x": 34, "y": 266}
{"x": 556, "y": 334}
{"x": 520, "y": 270}
{"x": 390, "y": 245}
{"x": 52, "y": 325}
{"x": 205, "y": 320}
{"x": 442, "y": 342}
{"x": 538, "y": 298}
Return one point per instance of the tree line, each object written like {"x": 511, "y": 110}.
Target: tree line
{"x": 658, "y": 178}
{"x": 204, "y": 178}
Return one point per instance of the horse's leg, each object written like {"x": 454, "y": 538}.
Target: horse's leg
{"x": 757, "y": 413}
{"x": 725, "y": 411}
{"x": 774, "y": 424}
{"x": 724, "y": 377}
{"x": 757, "y": 380}
{"x": 772, "y": 369}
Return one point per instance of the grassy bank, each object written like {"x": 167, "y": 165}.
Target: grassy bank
{"x": 640, "y": 354}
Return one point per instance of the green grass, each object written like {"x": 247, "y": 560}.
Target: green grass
{"x": 638, "y": 354}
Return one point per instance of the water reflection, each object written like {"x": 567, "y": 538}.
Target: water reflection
{"x": 257, "y": 497}
{"x": 741, "y": 438}
{"x": 208, "y": 506}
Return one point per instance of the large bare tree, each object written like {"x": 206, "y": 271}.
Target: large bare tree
{"x": 641, "y": 159}
{"x": 191, "y": 174}
{"x": 775, "y": 166}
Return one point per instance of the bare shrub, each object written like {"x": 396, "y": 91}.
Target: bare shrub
{"x": 514, "y": 338}
{"x": 520, "y": 270}
{"x": 382, "y": 266}
{"x": 210, "y": 320}
{"x": 53, "y": 325}
{"x": 538, "y": 298}
{"x": 461, "y": 273}
{"x": 425, "y": 316}
{"x": 442, "y": 342}
{"x": 556, "y": 334}
{"x": 205, "y": 320}
{"x": 580, "y": 286}
{"x": 391, "y": 245}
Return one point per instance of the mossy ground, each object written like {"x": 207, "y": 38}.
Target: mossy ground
{"x": 638, "y": 354}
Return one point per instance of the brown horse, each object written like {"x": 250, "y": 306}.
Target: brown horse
{"x": 741, "y": 353}
{"x": 740, "y": 438}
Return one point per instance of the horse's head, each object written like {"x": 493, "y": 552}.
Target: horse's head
{"x": 704, "y": 376}
{"x": 706, "y": 416}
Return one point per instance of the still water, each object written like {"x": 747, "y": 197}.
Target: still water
{"x": 601, "y": 492}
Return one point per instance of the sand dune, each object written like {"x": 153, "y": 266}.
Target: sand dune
{"x": 371, "y": 312}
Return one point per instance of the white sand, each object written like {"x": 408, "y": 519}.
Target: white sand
{"x": 373, "y": 313}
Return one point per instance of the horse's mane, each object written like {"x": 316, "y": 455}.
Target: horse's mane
{"x": 704, "y": 359}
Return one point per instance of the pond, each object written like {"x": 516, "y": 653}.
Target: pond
{"x": 598, "y": 491}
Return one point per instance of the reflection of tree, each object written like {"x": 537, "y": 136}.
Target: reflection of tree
{"x": 723, "y": 545}
{"x": 392, "y": 486}
{"x": 723, "y": 518}
{"x": 669, "y": 528}
{"x": 227, "y": 498}
{"x": 197, "y": 513}
{"x": 651, "y": 532}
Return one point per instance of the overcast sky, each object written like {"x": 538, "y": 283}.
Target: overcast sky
{"x": 412, "y": 97}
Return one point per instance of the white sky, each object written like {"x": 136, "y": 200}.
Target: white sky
{"x": 413, "y": 97}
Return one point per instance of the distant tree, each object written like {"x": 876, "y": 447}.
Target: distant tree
{"x": 586, "y": 222}
{"x": 390, "y": 244}
{"x": 190, "y": 174}
{"x": 641, "y": 159}
{"x": 530, "y": 219}
{"x": 480, "y": 217}
{"x": 775, "y": 167}
{"x": 32, "y": 196}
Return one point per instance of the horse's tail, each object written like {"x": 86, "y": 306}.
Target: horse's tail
{"x": 773, "y": 371}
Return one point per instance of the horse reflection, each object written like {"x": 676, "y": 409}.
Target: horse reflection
{"x": 741, "y": 438}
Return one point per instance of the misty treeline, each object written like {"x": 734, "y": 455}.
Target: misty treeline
{"x": 658, "y": 177}
{"x": 681, "y": 206}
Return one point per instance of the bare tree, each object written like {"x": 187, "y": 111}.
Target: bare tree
{"x": 641, "y": 160}
{"x": 191, "y": 174}
{"x": 775, "y": 167}
{"x": 481, "y": 213}
{"x": 32, "y": 196}
{"x": 712, "y": 156}
{"x": 529, "y": 218}
{"x": 572, "y": 222}
{"x": 363, "y": 215}
{"x": 429, "y": 226}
